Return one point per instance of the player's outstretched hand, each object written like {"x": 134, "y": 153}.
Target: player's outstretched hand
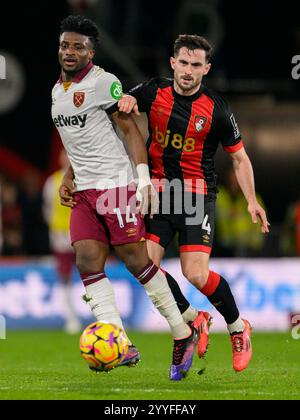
{"x": 147, "y": 200}
{"x": 66, "y": 193}
{"x": 128, "y": 104}
{"x": 258, "y": 213}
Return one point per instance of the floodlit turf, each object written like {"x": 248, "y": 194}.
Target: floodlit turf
{"x": 47, "y": 365}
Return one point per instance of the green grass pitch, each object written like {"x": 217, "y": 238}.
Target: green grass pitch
{"x": 47, "y": 365}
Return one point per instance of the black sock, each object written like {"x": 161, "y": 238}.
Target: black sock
{"x": 182, "y": 303}
{"x": 224, "y": 302}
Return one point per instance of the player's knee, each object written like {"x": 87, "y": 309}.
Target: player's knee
{"x": 155, "y": 255}
{"x": 133, "y": 266}
{"x": 87, "y": 261}
{"x": 135, "y": 263}
{"x": 197, "y": 278}
{"x": 156, "y": 260}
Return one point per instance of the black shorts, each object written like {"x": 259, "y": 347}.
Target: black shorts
{"x": 196, "y": 231}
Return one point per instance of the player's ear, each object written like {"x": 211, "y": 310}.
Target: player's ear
{"x": 92, "y": 54}
{"x": 172, "y": 62}
{"x": 207, "y": 68}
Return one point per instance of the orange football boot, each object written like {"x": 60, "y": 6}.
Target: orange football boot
{"x": 242, "y": 348}
{"x": 202, "y": 324}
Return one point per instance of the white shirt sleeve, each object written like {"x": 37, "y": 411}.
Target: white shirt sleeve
{"x": 108, "y": 90}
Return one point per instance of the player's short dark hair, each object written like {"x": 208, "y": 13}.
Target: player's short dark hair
{"x": 193, "y": 42}
{"x": 83, "y": 26}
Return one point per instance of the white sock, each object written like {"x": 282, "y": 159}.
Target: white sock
{"x": 160, "y": 293}
{"x": 190, "y": 314}
{"x": 237, "y": 327}
{"x": 103, "y": 303}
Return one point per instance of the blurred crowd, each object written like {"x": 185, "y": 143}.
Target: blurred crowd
{"x": 24, "y": 230}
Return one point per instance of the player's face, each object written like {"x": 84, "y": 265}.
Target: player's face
{"x": 189, "y": 68}
{"x": 75, "y": 52}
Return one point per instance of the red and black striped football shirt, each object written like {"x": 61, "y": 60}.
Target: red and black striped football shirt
{"x": 185, "y": 132}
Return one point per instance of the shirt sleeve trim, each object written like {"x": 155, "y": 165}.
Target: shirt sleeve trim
{"x": 235, "y": 148}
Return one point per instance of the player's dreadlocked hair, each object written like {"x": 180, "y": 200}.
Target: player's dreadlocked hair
{"x": 193, "y": 42}
{"x": 81, "y": 25}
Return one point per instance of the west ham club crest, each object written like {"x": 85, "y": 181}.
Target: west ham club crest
{"x": 78, "y": 99}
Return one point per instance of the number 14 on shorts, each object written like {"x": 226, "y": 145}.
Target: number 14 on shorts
{"x": 130, "y": 217}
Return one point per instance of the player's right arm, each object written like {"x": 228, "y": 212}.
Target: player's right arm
{"x": 128, "y": 104}
{"x": 146, "y": 194}
{"x": 67, "y": 189}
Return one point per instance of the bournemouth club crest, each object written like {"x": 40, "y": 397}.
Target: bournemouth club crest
{"x": 78, "y": 99}
{"x": 200, "y": 123}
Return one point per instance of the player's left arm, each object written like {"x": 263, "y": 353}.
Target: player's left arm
{"x": 244, "y": 173}
{"x": 228, "y": 131}
{"x": 133, "y": 138}
{"x": 137, "y": 151}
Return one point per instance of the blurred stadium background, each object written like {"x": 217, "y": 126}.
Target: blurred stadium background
{"x": 254, "y": 46}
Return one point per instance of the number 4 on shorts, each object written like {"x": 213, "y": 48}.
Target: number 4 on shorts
{"x": 206, "y": 225}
